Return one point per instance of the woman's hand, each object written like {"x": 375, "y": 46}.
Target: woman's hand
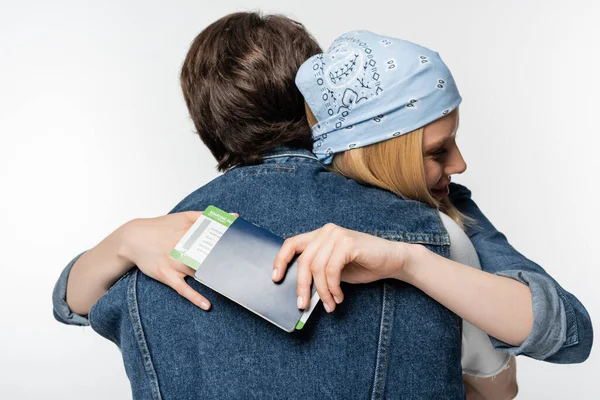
{"x": 148, "y": 243}
{"x": 333, "y": 254}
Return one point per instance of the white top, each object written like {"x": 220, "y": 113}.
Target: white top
{"x": 479, "y": 358}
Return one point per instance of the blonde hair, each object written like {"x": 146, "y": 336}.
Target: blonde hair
{"x": 395, "y": 165}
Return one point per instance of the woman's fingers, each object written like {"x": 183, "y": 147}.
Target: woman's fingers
{"x": 315, "y": 265}
{"x": 323, "y": 248}
{"x": 303, "y": 285}
{"x": 333, "y": 271}
{"x": 181, "y": 267}
{"x": 192, "y": 216}
{"x": 290, "y": 248}
{"x": 177, "y": 282}
{"x": 305, "y": 272}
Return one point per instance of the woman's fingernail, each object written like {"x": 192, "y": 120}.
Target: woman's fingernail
{"x": 299, "y": 301}
{"x": 327, "y": 308}
{"x": 204, "y": 306}
{"x": 337, "y": 300}
{"x": 274, "y": 274}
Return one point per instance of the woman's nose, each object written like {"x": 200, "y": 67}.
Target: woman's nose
{"x": 457, "y": 164}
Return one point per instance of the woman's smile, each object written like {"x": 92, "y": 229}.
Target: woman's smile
{"x": 440, "y": 192}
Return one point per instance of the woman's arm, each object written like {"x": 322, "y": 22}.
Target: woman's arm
{"x": 562, "y": 330}
{"x": 497, "y": 305}
{"x": 515, "y": 301}
{"x": 145, "y": 242}
{"x": 95, "y": 271}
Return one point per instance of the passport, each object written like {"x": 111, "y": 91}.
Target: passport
{"x": 234, "y": 257}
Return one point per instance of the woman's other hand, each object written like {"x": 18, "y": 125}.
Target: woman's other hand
{"x": 148, "y": 243}
{"x": 333, "y": 254}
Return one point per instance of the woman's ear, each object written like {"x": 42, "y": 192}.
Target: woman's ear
{"x": 312, "y": 121}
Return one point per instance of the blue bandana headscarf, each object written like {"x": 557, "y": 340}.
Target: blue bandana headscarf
{"x": 369, "y": 88}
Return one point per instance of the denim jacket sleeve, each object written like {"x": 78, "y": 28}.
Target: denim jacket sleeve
{"x": 562, "y": 328}
{"x": 62, "y": 312}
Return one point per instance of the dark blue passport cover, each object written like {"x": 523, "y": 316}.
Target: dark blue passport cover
{"x": 240, "y": 267}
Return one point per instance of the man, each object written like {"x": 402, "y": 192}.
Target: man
{"x": 386, "y": 338}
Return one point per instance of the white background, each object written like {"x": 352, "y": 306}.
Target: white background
{"x": 94, "y": 132}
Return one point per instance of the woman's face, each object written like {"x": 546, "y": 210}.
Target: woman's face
{"x": 441, "y": 156}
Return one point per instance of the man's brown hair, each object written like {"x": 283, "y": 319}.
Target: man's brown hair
{"x": 238, "y": 84}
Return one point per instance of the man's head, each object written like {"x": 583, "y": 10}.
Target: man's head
{"x": 238, "y": 84}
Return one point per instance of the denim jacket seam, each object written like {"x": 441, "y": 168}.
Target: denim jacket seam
{"x": 385, "y": 328}
{"x": 440, "y": 225}
{"x": 138, "y": 331}
{"x": 104, "y": 333}
{"x": 286, "y": 154}
{"x": 573, "y": 338}
{"x": 267, "y": 169}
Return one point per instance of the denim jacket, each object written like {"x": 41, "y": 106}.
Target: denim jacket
{"x": 387, "y": 339}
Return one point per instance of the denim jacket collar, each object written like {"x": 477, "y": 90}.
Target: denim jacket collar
{"x": 289, "y": 151}
{"x": 285, "y": 151}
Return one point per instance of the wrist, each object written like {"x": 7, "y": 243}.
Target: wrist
{"x": 413, "y": 253}
{"x": 122, "y": 246}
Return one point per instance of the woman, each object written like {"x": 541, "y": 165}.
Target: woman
{"x": 386, "y": 115}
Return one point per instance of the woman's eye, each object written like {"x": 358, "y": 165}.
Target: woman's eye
{"x": 440, "y": 153}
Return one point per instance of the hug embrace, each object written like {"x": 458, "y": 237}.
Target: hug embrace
{"x": 348, "y": 154}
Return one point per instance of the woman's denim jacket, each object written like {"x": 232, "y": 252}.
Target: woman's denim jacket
{"x": 386, "y": 340}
